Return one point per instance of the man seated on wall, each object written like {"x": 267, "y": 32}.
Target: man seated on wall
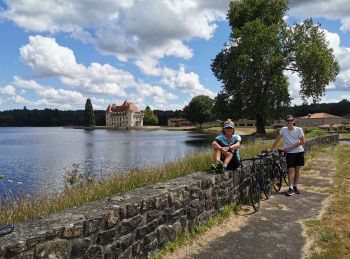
{"x": 226, "y": 149}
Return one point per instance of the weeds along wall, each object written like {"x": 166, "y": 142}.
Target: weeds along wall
{"x": 133, "y": 224}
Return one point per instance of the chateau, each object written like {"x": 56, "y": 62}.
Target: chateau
{"x": 125, "y": 116}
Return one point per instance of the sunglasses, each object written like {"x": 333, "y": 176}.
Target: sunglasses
{"x": 289, "y": 120}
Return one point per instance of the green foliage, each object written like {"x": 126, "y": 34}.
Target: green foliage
{"x": 200, "y": 109}
{"x": 163, "y": 116}
{"x": 47, "y": 117}
{"x": 89, "y": 116}
{"x": 262, "y": 47}
{"x": 150, "y": 118}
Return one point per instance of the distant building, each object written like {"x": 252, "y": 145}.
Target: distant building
{"x": 245, "y": 123}
{"x": 179, "y": 122}
{"x": 321, "y": 120}
{"x": 125, "y": 116}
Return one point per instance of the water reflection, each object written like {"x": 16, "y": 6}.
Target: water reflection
{"x": 37, "y": 156}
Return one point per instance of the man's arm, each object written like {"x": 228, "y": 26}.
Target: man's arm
{"x": 278, "y": 138}
{"x": 301, "y": 142}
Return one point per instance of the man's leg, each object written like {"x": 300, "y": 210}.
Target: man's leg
{"x": 291, "y": 172}
{"x": 297, "y": 175}
{"x": 296, "y": 179}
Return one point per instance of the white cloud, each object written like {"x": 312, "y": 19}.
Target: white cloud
{"x": 47, "y": 58}
{"x": 332, "y": 10}
{"x": 126, "y": 29}
{"x": 8, "y": 89}
{"x": 342, "y": 54}
{"x": 185, "y": 82}
{"x": 49, "y": 94}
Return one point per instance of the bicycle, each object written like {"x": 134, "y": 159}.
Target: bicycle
{"x": 259, "y": 181}
{"x": 279, "y": 171}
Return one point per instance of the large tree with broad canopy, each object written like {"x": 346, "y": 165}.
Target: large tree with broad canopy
{"x": 261, "y": 48}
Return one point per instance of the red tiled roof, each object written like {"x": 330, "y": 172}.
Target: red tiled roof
{"x": 320, "y": 115}
{"x": 126, "y": 106}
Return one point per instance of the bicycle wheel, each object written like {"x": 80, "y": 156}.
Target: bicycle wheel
{"x": 267, "y": 183}
{"x": 254, "y": 193}
{"x": 276, "y": 178}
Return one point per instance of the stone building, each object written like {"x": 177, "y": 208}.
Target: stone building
{"x": 124, "y": 116}
{"x": 321, "y": 120}
{"x": 179, "y": 122}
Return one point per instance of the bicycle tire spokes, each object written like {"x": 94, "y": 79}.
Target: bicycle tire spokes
{"x": 254, "y": 193}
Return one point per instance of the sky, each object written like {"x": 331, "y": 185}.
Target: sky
{"x": 57, "y": 53}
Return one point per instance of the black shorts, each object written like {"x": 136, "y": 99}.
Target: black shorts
{"x": 233, "y": 164}
{"x": 295, "y": 159}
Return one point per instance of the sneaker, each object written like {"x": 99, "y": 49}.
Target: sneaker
{"x": 214, "y": 167}
{"x": 290, "y": 192}
{"x": 296, "y": 190}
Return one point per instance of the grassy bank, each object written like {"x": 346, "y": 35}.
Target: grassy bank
{"x": 25, "y": 209}
{"x": 331, "y": 232}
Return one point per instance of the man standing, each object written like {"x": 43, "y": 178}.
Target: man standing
{"x": 293, "y": 138}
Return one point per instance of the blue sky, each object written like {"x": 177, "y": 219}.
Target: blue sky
{"x": 58, "y": 53}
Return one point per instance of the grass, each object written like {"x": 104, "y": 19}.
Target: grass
{"x": 16, "y": 210}
{"x": 189, "y": 238}
{"x": 331, "y": 233}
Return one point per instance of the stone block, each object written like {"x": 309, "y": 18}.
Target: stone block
{"x": 151, "y": 246}
{"x": 132, "y": 210}
{"x": 126, "y": 241}
{"x": 94, "y": 252}
{"x": 192, "y": 213}
{"x": 129, "y": 225}
{"x": 152, "y": 215}
{"x": 194, "y": 203}
{"x": 192, "y": 225}
{"x": 111, "y": 219}
{"x": 92, "y": 225}
{"x": 137, "y": 248}
{"x": 18, "y": 247}
{"x": 142, "y": 231}
{"x": 127, "y": 254}
{"x": 149, "y": 238}
{"x": 165, "y": 234}
{"x": 79, "y": 247}
{"x": 73, "y": 230}
{"x": 179, "y": 230}
{"x": 161, "y": 202}
{"x": 208, "y": 204}
{"x": 106, "y": 237}
{"x": 195, "y": 191}
{"x": 52, "y": 249}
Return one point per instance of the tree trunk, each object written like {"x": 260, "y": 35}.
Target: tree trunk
{"x": 260, "y": 125}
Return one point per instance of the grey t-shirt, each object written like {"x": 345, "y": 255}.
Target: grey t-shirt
{"x": 291, "y": 137}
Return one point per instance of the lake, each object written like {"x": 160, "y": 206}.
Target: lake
{"x": 34, "y": 160}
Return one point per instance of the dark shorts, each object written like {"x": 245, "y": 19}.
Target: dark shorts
{"x": 234, "y": 163}
{"x": 295, "y": 159}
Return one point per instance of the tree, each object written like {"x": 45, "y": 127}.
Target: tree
{"x": 262, "y": 48}
{"x": 149, "y": 117}
{"x": 200, "y": 109}
{"x": 89, "y": 116}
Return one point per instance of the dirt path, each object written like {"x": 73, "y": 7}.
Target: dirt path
{"x": 276, "y": 231}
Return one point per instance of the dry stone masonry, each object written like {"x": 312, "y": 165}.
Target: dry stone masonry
{"x": 133, "y": 224}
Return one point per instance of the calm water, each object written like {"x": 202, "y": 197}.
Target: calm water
{"x": 33, "y": 160}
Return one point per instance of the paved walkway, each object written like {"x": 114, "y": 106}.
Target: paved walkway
{"x": 276, "y": 230}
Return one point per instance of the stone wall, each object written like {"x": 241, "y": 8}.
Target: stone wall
{"x": 133, "y": 224}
